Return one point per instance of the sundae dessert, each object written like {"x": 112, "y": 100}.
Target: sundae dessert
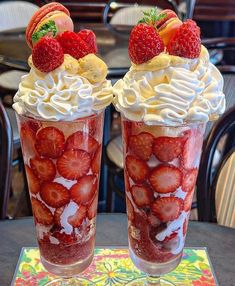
{"x": 60, "y": 107}
{"x": 165, "y": 100}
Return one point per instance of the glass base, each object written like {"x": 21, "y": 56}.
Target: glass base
{"x": 69, "y": 270}
{"x": 70, "y": 282}
{"x": 143, "y": 282}
{"x": 152, "y": 268}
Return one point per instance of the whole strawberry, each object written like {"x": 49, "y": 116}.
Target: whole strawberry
{"x": 73, "y": 44}
{"x": 89, "y": 37}
{"x": 47, "y": 54}
{"x": 186, "y": 41}
{"x": 144, "y": 43}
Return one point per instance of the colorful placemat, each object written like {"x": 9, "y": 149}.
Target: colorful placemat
{"x": 112, "y": 266}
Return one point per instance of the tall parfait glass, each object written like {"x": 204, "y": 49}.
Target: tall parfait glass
{"x": 62, "y": 163}
{"x": 161, "y": 167}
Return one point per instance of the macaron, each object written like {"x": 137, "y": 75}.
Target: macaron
{"x": 168, "y": 25}
{"x": 51, "y": 19}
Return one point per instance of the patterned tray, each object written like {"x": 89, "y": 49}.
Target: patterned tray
{"x": 112, "y": 266}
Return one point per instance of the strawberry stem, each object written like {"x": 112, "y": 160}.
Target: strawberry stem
{"x": 151, "y": 17}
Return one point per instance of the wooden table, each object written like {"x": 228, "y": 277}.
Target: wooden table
{"x": 112, "y": 231}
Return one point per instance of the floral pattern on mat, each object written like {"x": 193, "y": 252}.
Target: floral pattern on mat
{"x": 114, "y": 267}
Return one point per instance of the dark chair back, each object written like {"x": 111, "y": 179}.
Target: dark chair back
{"x": 5, "y": 160}
{"x": 214, "y": 10}
{"x": 206, "y": 182}
{"x": 82, "y": 11}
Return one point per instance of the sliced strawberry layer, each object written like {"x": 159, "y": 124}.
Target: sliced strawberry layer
{"x": 83, "y": 141}
{"x": 142, "y": 195}
{"x": 84, "y": 190}
{"x": 54, "y": 194}
{"x": 192, "y": 149}
{"x": 167, "y": 208}
{"x": 92, "y": 209}
{"x": 167, "y": 149}
{"x": 130, "y": 210}
{"x": 188, "y": 200}
{"x": 44, "y": 169}
{"x": 141, "y": 145}
{"x": 95, "y": 163}
{"x": 136, "y": 168}
{"x": 50, "y": 142}
{"x": 165, "y": 178}
{"x": 57, "y": 214}
{"x": 41, "y": 213}
{"x": 73, "y": 164}
{"x": 189, "y": 180}
{"x": 28, "y": 141}
{"x": 77, "y": 219}
{"x": 33, "y": 181}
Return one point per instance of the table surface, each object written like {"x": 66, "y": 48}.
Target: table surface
{"x": 112, "y": 231}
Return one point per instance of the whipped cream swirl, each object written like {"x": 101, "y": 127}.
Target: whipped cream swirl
{"x": 169, "y": 90}
{"x": 60, "y": 95}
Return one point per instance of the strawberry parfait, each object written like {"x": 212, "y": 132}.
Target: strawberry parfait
{"x": 60, "y": 108}
{"x": 165, "y": 100}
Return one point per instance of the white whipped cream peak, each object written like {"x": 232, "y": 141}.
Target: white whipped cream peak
{"x": 170, "y": 90}
{"x": 60, "y": 95}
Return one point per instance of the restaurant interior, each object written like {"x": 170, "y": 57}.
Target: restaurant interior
{"x": 212, "y": 216}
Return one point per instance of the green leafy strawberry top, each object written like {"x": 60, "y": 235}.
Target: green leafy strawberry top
{"x": 151, "y": 17}
{"x": 49, "y": 27}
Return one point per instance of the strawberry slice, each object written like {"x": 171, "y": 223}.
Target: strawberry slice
{"x": 77, "y": 219}
{"x": 73, "y": 164}
{"x": 84, "y": 190}
{"x": 136, "y": 168}
{"x": 41, "y": 213}
{"x": 92, "y": 209}
{"x": 28, "y": 141}
{"x": 142, "y": 195}
{"x": 167, "y": 149}
{"x": 44, "y": 169}
{"x": 33, "y": 181}
{"x": 130, "y": 210}
{"x": 153, "y": 220}
{"x": 83, "y": 141}
{"x": 34, "y": 125}
{"x": 189, "y": 180}
{"x": 57, "y": 214}
{"x": 192, "y": 149}
{"x": 54, "y": 194}
{"x": 165, "y": 178}
{"x": 188, "y": 200}
{"x": 95, "y": 164}
{"x": 141, "y": 145}
{"x": 167, "y": 208}
{"x": 50, "y": 142}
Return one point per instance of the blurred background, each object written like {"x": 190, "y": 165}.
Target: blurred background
{"x": 112, "y": 21}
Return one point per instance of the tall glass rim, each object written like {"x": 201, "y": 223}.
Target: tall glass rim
{"x": 89, "y": 117}
{"x": 185, "y": 124}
